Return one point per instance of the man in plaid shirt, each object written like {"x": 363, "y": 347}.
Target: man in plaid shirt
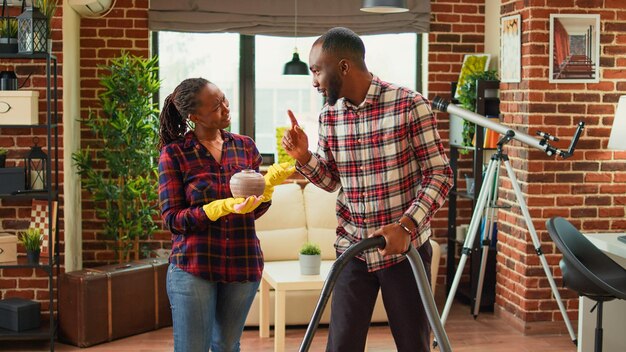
{"x": 379, "y": 145}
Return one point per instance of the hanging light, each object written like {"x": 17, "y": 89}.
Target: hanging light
{"x": 384, "y": 6}
{"x": 295, "y": 66}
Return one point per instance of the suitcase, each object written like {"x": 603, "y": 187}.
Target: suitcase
{"x": 163, "y": 309}
{"x": 113, "y": 301}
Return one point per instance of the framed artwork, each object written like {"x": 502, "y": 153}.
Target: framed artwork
{"x": 472, "y": 63}
{"x": 39, "y": 218}
{"x": 511, "y": 49}
{"x": 574, "y": 48}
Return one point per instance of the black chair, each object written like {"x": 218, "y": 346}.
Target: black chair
{"x": 586, "y": 269}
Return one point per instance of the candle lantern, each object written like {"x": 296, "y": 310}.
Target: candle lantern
{"x": 32, "y": 30}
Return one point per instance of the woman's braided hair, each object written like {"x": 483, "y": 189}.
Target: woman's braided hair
{"x": 176, "y": 109}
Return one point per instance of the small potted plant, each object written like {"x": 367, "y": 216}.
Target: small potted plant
{"x": 3, "y": 157}
{"x": 32, "y": 239}
{"x": 8, "y": 35}
{"x": 310, "y": 259}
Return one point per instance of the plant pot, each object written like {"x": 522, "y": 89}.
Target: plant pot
{"x": 8, "y": 45}
{"x": 247, "y": 183}
{"x": 33, "y": 256}
{"x": 310, "y": 264}
{"x": 3, "y": 161}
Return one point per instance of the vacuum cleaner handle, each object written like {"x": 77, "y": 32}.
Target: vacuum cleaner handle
{"x": 423, "y": 287}
{"x": 428, "y": 300}
{"x": 338, "y": 265}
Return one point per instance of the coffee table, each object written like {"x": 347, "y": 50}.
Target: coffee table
{"x": 284, "y": 276}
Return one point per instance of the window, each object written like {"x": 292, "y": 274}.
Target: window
{"x": 392, "y": 57}
{"x": 275, "y": 92}
{"x": 211, "y": 56}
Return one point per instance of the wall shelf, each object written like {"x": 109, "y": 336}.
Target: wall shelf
{"x": 47, "y": 331}
{"x": 466, "y": 291}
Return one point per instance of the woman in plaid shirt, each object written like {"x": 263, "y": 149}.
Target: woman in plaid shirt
{"x": 216, "y": 261}
{"x": 379, "y": 145}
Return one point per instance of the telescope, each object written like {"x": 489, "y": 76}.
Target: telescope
{"x": 487, "y": 199}
{"x": 542, "y": 144}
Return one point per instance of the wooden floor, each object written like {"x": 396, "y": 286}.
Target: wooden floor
{"x": 487, "y": 333}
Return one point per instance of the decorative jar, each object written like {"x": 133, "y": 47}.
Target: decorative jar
{"x": 247, "y": 183}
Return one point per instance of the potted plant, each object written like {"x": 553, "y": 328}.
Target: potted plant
{"x": 121, "y": 175}
{"x": 310, "y": 259}
{"x": 32, "y": 239}
{"x": 8, "y": 35}
{"x": 3, "y": 157}
{"x": 48, "y": 8}
{"x": 467, "y": 98}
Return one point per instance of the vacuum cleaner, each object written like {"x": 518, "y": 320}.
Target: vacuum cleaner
{"x": 426, "y": 295}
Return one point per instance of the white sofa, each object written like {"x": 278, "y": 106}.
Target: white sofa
{"x": 296, "y": 216}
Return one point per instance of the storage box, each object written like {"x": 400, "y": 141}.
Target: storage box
{"x": 18, "y": 314}
{"x": 8, "y": 248}
{"x": 19, "y": 107}
{"x": 12, "y": 179}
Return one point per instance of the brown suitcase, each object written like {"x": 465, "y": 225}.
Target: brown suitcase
{"x": 110, "y": 302}
{"x": 163, "y": 316}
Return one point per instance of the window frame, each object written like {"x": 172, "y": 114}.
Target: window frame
{"x": 247, "y": 78}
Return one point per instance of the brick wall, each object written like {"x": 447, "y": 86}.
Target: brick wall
{"x": 15, "y": 213}
{"x": 587, "y": 189}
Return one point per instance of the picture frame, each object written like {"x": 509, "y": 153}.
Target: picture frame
{"x": 39, "y": 218}
{"x": 574, "y": 48}
{"x": 472, "y": 63}
{"x": 511, "y": 49}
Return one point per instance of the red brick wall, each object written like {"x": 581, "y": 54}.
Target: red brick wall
{"x": 15, "y": 213}
{"x": 457, "y": 28}
{"x": 587, "y": 189}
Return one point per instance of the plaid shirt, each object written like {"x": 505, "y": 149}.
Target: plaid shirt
{"x": 226, "y": 250}
{"x": 387, "y": 159}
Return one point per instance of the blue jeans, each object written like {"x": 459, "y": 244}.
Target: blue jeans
{"x": 207, "y": 314}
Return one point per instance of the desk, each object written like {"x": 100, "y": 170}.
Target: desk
{"x": 284, "y": 276}
{"x": 614, "y": 313}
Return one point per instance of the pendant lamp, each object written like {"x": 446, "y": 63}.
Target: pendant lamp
{"x": 295, "y": 66}
{"x": 384, "y": 6}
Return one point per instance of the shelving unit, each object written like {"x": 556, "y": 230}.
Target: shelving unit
{"x": 466, "y": 292}
{"x": 51, "y": 266}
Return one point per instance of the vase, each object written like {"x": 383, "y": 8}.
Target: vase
{"x": 247, "y": 183}
{"x": 3, "y": 160}
{"x": 310, "y": 264}
{"x": 32, "y": 256}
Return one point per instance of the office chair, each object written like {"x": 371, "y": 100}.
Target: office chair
{"x": 587, "y": 270}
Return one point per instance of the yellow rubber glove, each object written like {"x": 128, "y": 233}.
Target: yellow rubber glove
{"x": 218, "y": 208}
{"x": 276, "y": 175}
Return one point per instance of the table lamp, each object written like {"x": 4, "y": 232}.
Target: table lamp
{"x": 617, "y": 140}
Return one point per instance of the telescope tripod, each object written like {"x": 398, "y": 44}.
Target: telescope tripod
{"x": 486, "y": 197}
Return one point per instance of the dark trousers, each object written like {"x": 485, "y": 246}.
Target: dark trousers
{"x": 353, "y": 302}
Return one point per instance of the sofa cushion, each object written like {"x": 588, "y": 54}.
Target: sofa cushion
{"x": 283, "y": 244}
{"x": 282, "y": 229}
{"x": 321, "y": 218}
{"x": 287, "y": 210}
